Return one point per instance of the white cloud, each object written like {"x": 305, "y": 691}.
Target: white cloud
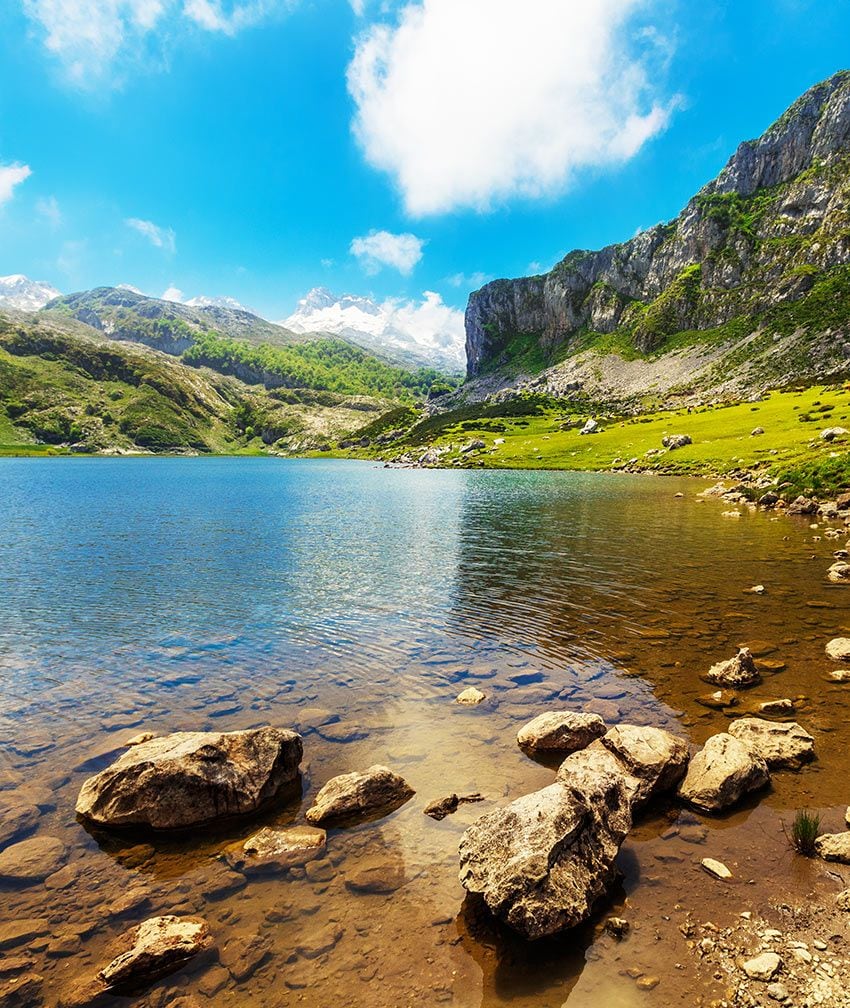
{"x": 430, "y": 321}
{"x": 382, "y": 248}
{"x": 91, "y": 37}
{"x": 48, "y": 208}
{"x": 467, "y": 102}
{"x": 173, "y": 293}
{"x": 160, "y": 237}
{"x": 471, "y": 281}
{"x": 11, "y": 176}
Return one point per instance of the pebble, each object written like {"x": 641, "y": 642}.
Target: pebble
{"x": 716, "y": 868}
{"x": 762, "y": 967}
{"x": 470, "y": 696}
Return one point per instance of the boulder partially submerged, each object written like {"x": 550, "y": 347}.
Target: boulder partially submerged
{"x": 542, "y": 862}
{"x": 721, "y": 773}
{"x": 560, "y": 731}
{"x": 272, "y": 849}
{"x": 834, "y": 847}
{"x": 154, "y": 949}
{"x": 189, "y": 778}
{"x": 650, "y": 761}
{"x": 736, "y": 673}
{"x": 779, "y": 743}
{"x": 352, "y": 795}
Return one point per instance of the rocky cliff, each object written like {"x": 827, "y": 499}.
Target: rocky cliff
{"x": 759, "y": 258}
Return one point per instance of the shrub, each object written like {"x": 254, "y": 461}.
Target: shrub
{"x": 804, "y": 831}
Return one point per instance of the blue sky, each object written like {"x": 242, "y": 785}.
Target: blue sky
{"x": 262, "y": 147}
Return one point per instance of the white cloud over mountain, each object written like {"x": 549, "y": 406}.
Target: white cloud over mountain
{"x": 159, "y": 237}
{"x": 382, "y": 248}
{"x": 426, "y": 330}
{"x": 467, "y": 102}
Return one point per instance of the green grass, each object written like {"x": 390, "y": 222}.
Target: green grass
{"x": 804, "y": 831}
{"x": 539, "y": 433}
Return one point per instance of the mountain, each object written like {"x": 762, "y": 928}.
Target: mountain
{"x": 748, "y": 288}
{"x": 424, "y": 334}
{"x": 23, "y": 294}
{"x": 218, "y": 302}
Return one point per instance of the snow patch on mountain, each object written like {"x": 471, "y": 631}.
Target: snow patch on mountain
{"x": 18, "y": 291}
{"x": 426, "y": 331}
{"x": 202, "y": 301}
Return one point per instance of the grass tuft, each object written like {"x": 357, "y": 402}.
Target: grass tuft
{"x": 804, "y": 831}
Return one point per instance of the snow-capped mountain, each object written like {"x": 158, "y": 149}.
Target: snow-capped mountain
{"x": 18, "y": 291}
{"x": 217, "y": 302}
{"x": 418, "y": 332}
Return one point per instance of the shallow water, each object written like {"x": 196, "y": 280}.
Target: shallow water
{"x": 168, "y": 594}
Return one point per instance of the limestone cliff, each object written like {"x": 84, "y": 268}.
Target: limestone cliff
{"x": 763, "y": 250}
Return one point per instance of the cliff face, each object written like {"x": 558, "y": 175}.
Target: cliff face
{"x": 771, "y": 229}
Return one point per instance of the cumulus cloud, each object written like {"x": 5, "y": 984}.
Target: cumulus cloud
{"x": 90, "y": 37}
{"x": 383, "y": 248}
{"x": 429, "y": 321}
{"x": 159, "y": 237}
{"x": 468, "y": 102}
{"x": 173, "y": 293}
{"x": 10, "y": 176}
{"x": 471, "y": 281}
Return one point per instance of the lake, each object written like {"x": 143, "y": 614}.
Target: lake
{"x": 354, "y": 603}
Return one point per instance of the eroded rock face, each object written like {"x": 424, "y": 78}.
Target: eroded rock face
{"x": 780, "y": 744}
{"x": 278, "y": 849}
{"x": 721, "y": 773}
{"x": 560, "y": 731}
{"x": 154, "y": 949}
{"x": 736, "y": 673}
{"x": 189, "y": 778}
{"x": 834, "y": 847}
{"x": 541, "y": 862}
{"x": 357, "y": 794}
{"x": 650, "y": 761}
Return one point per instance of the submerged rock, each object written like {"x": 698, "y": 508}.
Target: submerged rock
{"x": 738, "y": 672}
{"x": 443, "y": 807}
{"x": 780, "y": 744}
{"x": 354, "y": 794}
{"x": 542, "y": 862}
{"x": 17, "y": 818}
{"x": 650, "y": 761}
{"x": 154, "y": 949}
{"x": 32, "y": 860}
{"x": 189, "y": 778}
{"x": 721, "y": 773}
{"x": 277, "y": 849}
{"x": 839, "y": 572}
{"x": 470, "y": 696}
{"x": 834, "y": 847}
{"x": 561, "y": 731}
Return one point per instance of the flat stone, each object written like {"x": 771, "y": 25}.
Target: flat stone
{"x": 315, "y": 944}
{"x": 721, "y": 773}
{"x": 385, "y": 877}
{"x": 560, "y": 731}
{"x": 15, "y": 964}
{"x": 16, "y": 818}
{"x": 311, "y": 718}
{"x": 244, "y": 956}
{"x": 834, "y": 847}
{"x": 191, "y": 778}
{"x": 16, "y": 932}
{"x": 377, "y": 789}
{"x": 777, "y": 707}
{"x": 277, "y": 849}
{"x": 470, "y": 696}
{"x": 32, "y": 860}
{"x": 442, "y": 807}
{"x": 840, "y": 675}
{"x": 342, "y": 731}
{"x": 838, "y": 649}
{"x": 716, "y": 868}
{"x": 22, "y": 991}
{"x": 779, "y": 743}
{"x": 763, "y": 967}
{"x": 718, "y": 700}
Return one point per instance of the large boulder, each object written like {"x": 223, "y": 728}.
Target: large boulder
{"x": 154, "y": 949}
{"x": 721, "y": 773}
{"x": 650, "y": 761}
{"x": 560, "y": 731}
{"x": 542, "y": 862}
{"x": 353, "y": 795}
{"x": 191, "y": 778}
{"x": 780, "y": 744}
{"x": 736, "y": 673}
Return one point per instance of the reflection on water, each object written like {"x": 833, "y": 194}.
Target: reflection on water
{"x": 219, "y": 594}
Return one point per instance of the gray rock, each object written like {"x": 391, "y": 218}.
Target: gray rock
{"x": 650, "y": 761}
{"x": 832, "y": 433}
{"x": 377, "y": 789}
{"x": 561, "y": 731}
{"x": 591, "y": 427}
{"x": 737, "y": 673}
{"x": 190, "y": 778}
{"x": 542, "y": 862}
{"x": 721, "y": 773}
{"x": 780, "y": 744}
{"x": 674, "y": 441}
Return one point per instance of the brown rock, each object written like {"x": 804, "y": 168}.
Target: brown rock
{"x": 377, "y": 789}
{"x": 157, "y": 947}
{"x": 738, "y": 672}
{"x": 277, "y": 849}
{"x": 721, "y": 773}
{"x": 780, "y": 744}
{"x": 560, "y": 731}
{"x": 32, "y": 860}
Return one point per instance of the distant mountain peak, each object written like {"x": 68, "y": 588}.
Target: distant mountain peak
{"x": 202, "y": 301}
{"x": 19, "y": 292}
{"x": 426, "y": 332}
